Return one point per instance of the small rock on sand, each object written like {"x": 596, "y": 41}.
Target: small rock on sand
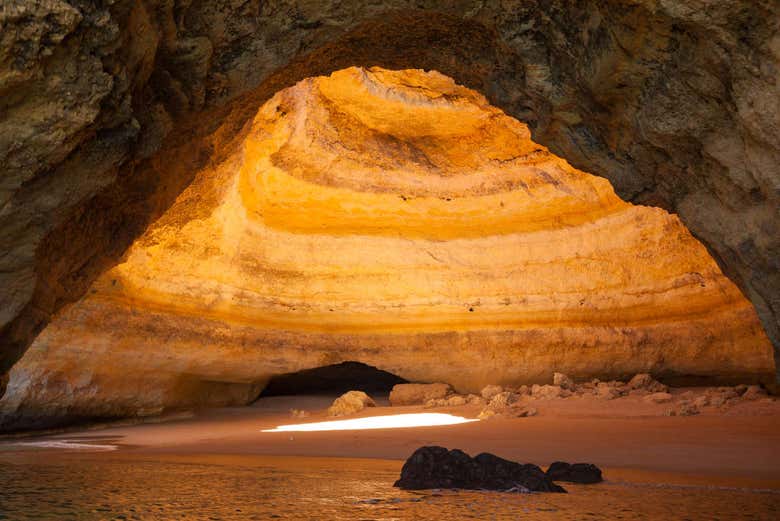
{"x": 563, "y": 381}
{"x": 350, "y": 403}
{"x": 647, "y": 383}
{"x": 489, "y": 391}
{"x": 545, "y": 392}
{"x": 502, "y": 400}
{"x": 658, "y": 398}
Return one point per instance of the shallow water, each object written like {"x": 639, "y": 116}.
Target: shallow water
{"x": 42, "y": 485}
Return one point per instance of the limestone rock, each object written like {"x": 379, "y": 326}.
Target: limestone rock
{"x": 437, "y": 467}
{"x": 456, "y": 400}
{"x": 473, "y": 399}
{"x": 489, "y": 391}
{"x": 545, "y": 392}
{"x": 658, "y": 398}
{"x": 563, "y": 381}
{"x": 502, "y": 400}
{"x": 418, "y": 394}
{"x": 647, "y": 383}
{"x": 350, "y": 403}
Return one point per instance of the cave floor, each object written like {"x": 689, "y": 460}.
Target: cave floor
{"x": 716, "y": 465}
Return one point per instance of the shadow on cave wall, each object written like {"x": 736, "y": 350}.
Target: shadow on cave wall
{"x": 332, "y": 379}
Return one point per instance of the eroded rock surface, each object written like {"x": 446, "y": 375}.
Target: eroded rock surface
{"x": 108, "y": 109}
{"x": 417, "y": 394}
{"x": 350, "y": 402}
{"x": 398, "y": 220}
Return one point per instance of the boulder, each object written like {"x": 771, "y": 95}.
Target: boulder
{"x": 350, "y": 403}
{"x": 545, "y": 392}
{"x": 646, "y": 382}
{"x": 563, "y": 381}
{"x": 473, "y": 399}
{"x": 503, "y": 400}
{"x": 490, "y": 391}
{"x": 418, "y": 394}
{"x": 574, "y": 473}
{"x": 437, "y": 467}
{"x": 456, "y": 400}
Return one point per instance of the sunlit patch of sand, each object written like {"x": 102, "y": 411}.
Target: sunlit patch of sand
{"x": 393, "y": 421}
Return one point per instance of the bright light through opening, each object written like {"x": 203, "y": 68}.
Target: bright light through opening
{"x": 395, "y": 421}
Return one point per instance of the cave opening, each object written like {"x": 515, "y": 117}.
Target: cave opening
{"x": 333, "y": 379}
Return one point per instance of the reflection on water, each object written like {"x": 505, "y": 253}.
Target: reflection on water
{"x": 56, "y": 486}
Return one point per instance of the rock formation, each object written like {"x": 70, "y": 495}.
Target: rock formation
{"x": 437, "y": 467}
{"x": 109, "y": 108}
{"x": 350, "y": 402}
{"x": 399, "y": 220}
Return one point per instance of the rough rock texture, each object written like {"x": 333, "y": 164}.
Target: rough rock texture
{"x": 437, "y": 467}
{"x": 645, "y": 382}
{"x": 108, "y": 108}
{"x": 350, "y": 403}
{"x": 416, "y": 394}
{"x": 586, "y": 473}
{"x": 398, "y": 220}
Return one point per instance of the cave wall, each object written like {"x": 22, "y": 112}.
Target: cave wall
{"x": 108, "y": 109}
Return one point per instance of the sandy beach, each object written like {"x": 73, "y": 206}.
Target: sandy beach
{"x": 716, "y": 465}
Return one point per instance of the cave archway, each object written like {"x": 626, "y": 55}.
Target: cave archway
{"x": 399, "y": 219}
{"x": 584, "y": 93}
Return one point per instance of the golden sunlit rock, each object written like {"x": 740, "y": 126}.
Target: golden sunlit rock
{"x": 395, "y": 219}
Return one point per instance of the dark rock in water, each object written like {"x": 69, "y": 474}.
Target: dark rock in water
{"x": 574, "y": 473}
{"x": 437, "y": 467}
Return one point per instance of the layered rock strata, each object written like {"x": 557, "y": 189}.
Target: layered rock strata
{"x": 108, "y": 108}
{"x": 399, "y": 220}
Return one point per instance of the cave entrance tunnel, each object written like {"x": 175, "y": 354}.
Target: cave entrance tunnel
{"x": 334, "y": 379}
{"x": 409, "y": 215}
